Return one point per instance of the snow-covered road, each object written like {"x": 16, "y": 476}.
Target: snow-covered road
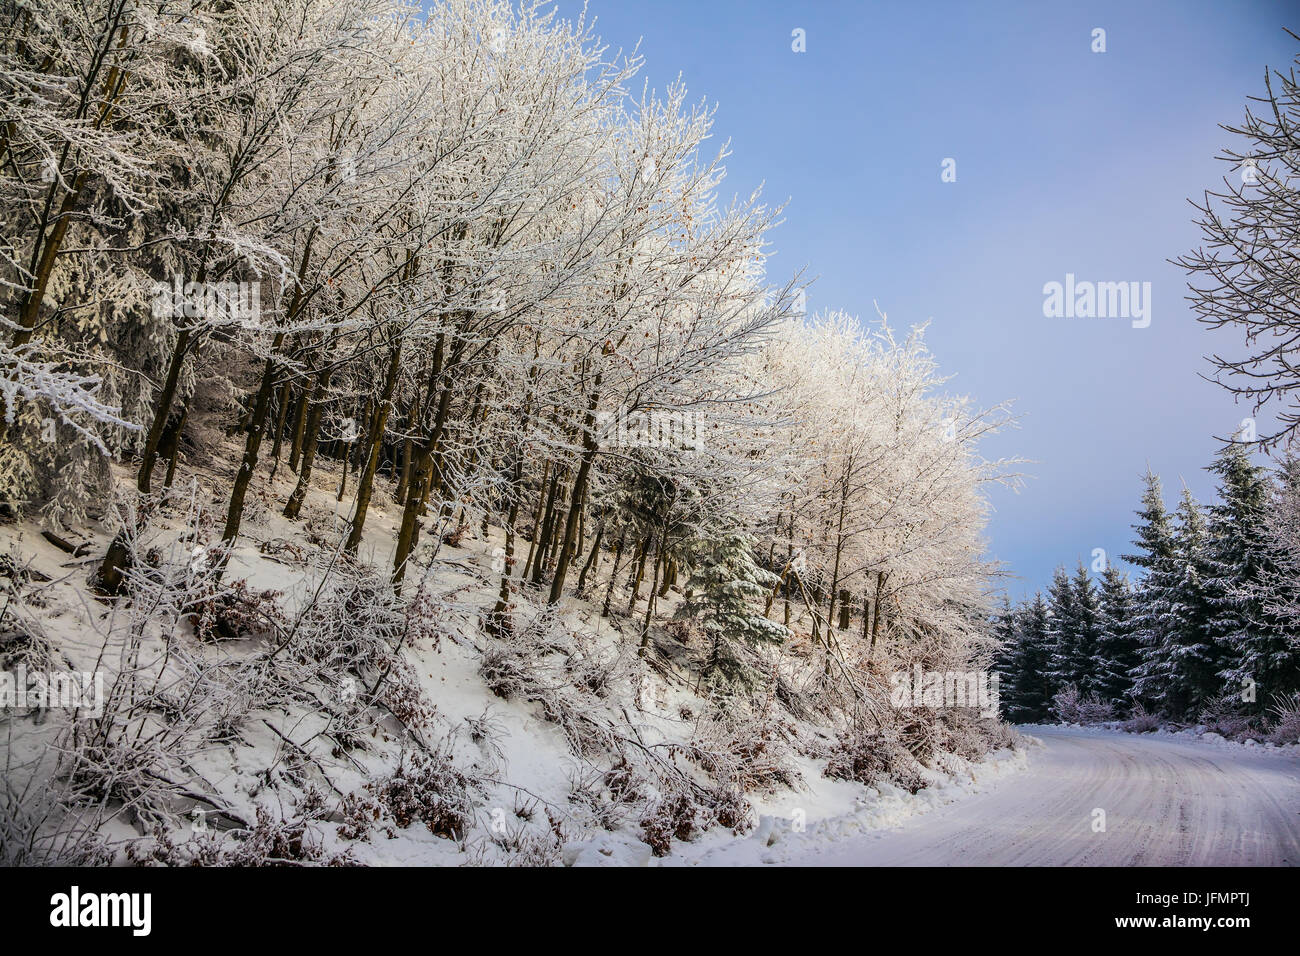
{"x": 1167, "y": 802}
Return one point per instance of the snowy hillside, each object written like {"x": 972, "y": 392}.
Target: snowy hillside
{"x": 313, "y": 716}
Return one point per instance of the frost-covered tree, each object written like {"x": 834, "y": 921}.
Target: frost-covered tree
{"x": 1070, "y": 659}
{"x": 89, "y": 97}
{"x": 1278, "y": 591}
{"x": 1180, "y": 659}
{"x": 474, "y": 256}
{"x": 1250, "y": 638}
{"x": 1117, "y": 658}
{"x": 1245, "y": 276}
{"x": 726, "y": 587}
{"x": 1028, "y": 697}
{"x": 1154, "y": 556}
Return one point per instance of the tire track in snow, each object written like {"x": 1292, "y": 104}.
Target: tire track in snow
{"x": 1168, "y": 802}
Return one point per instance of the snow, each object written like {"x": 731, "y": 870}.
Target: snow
{"x": 778, "y": 840}
{"x": 1168, "y": 799}
{"x": 523, "y": 760}
{"x": 1198, "y": 734}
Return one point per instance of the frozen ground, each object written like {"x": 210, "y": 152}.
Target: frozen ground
{"x": 1169, "y": 800}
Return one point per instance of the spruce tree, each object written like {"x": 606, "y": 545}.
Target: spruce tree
{"x": 1281, "y": 582}
{"x": 1279, "y": 587}
{"x": 1184, "y": 664}
{"x": 1116, "y": 659}
{"x": 1065, "y": 666}
{"x": 1087, "y": 633}
{"x": 1151, "y": 620}
{"x": 1253, "y": 644}
{"x": 1005, "y": 626}
{"x": 1033, "y": 687}
{"x": 727, "y": 588}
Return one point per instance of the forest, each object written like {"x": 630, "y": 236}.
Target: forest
{"x": 1206, "y": 635}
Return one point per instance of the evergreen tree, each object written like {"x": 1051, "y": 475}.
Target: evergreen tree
{"x": 1006, "y": 630}
{"x": 1278, "y": 653}
{"x": 727, "y": 588}
{"x": 1253, "y": 644}
{"x": 1117, "y": 657}
{"x": 1183, "y": 665}
{"x": 1032, "y": 686}
{"x": 1282, "y": 579}
{"x": 1155, "y": 555}
{"x": 1065, "y": 666}
{"x": 1087, "y": 633}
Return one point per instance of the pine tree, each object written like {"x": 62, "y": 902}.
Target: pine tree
{"x": 1032, "y": 687}
{"x": 1151, "y": 622}
{"x": 1253, "y": 643}
{"x": 1005, "y": 627}
{"x": 727, "y": 588}
{"x": 1116, "y": 658}
{"x": 1065, "y": 665}
{"x": 1185, "y": 662}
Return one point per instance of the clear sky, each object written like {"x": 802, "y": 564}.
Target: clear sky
{"x": 1067, "y": 161}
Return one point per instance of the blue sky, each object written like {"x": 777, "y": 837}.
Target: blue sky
{"x": 1067, "y": 161}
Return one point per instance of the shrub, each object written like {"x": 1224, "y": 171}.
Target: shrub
{"x": 238, "y": 612}
{"x": 430, "y": 789}
{"x": 1286, "y": 723}
{"x": 675, "y": 816}
{"x": 871, "y": 758}
{"x": 1224, "y": 716}
{"x": 970, "y": 736}
{"x": 1140, "y": 721}
{"x": 1071, "y": 707}
{"x": 271, "y": 841}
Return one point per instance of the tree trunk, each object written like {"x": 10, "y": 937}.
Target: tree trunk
{"x": 366, "y": 480}
{"x": 571, "y": 524}
{"x": 162, "y": 409}
{"x": 172, "y": 445}
{"x": 650, "y": 603}
{"x": 640, "y": 571}
{"x": 404, "y": 476}
{"x": 590, "y": 447}
{"x": 281, "y": 417}
{"x": 593, "y": 557}
{"x": 670, "y": 577}
{"x": 537, "y": 519}
{"x": 613, "y": 574}
{"x": 548, "y": 522}
{"x": 235, "y": 510}
{"x": 406, "y": 535}
{"x": 311, "y": 435}
{"x": 426, "y": 477}
{"x": 875, "y": 621}
{"x": 300, "y": 414}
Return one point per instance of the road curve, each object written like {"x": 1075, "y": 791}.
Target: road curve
{"x": 1167, "y": 802}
